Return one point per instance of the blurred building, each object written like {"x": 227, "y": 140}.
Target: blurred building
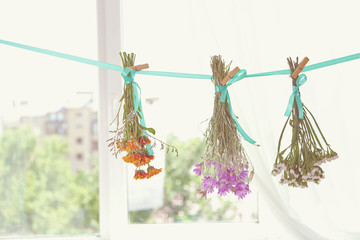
{"x": 78, "y": 126}
{"x": 74, "y": 123}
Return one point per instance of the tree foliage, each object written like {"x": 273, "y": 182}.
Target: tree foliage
{"x": 39, "y": 194}
{"x": 182, "y": 202}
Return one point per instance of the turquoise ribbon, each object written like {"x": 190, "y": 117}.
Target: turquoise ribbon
{"x": 129, "y": 75}
{"x": 224, "y": 94}
{"x": 226, "y": 97}
{"x": 296, "y": 95}
{"x": 173, "y": 74}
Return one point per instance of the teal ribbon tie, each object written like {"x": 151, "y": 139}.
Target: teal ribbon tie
{"x": 128, "y": 74}
{"x": 226, "y": 97}
{"x": 296, "y": 96}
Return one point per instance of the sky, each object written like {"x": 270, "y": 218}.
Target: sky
{"x": 46, "y": 83}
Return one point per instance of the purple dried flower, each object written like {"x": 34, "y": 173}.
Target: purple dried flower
{"x": 197, "y": 169}
{"x": 223, "y": 188}
{"x": 229, "y": 180}
{"x": 244, "y": 174}
{"x": 208, "y": 184}
{"x": 241, "y": 190}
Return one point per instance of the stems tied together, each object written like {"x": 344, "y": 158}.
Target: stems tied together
{"x": 300, "y": 161}
{"x": 130, "y": 136}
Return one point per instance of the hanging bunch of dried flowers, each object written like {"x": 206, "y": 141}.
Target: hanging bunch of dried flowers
{"x": 131, "y": 134}
{"x": 300, "y": 162}
{"x": 225, "y": 164}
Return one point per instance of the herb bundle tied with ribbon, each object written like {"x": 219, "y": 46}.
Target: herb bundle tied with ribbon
{"x": 225, "y": 164}
{"x": 131, "y": 134}
{"x": 300, "y": 161}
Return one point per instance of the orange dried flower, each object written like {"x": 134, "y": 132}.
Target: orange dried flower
{"x": 128, "y": 146}
{"x": 147, "y": 159}
{"x": 138, "y": 163}
{"x": 131, "y": 145}
{"x": 143, "y": 140}
{"x": 140, "y": 174}
{"x": 129, "y": 158}
{"x": 134, "y": 149}
{"x": 120, "y": 146}
{"x": 151, "y": 171}
{"x": 137, "y": 157}
{"x": 135, "y": 144}
{"x": 137, "y": 160}
{"x": 141, "y": 160}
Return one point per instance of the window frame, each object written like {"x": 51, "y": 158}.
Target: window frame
{"x": 112, "y": 173}
{"x": 113, "y": 207}
{"x": 113, "y": 176}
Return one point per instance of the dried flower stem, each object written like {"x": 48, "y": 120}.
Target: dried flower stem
{"x": 306, "y": 152}
{"x": 225, "y": 163}
{"x": 130, "y": 136}
{"x": 223, "y": 141}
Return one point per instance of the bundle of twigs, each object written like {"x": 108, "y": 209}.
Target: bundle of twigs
{"x": 300, "y": 162}
{"x": 131, "y": 135}
{"x": 225, "y": 164}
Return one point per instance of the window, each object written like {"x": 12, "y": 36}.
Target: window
{"x": 79, "y": 140}
{"x": 35, "y": 123}
{"x": 43, "y": 191}
{"x": 79, "y": 156}
{"x": 94, "y": 145}
{"x": 60, "y": 116}
{"x": 127, "y": 204}
{"x": 52, "y": 97}
{"x": 94, "y": 127}
{"x": 53, "y": 117}
{"x": 176, "y": 115}
{"x": 172, "y": 196}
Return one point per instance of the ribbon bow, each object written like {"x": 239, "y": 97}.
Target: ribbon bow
{"x": 226, "y": 97}
{"x": 129, "y": 79}
{"x": 296, "y": 95}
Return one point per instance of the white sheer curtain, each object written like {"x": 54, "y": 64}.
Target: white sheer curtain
{"x": 258, "y": 36}
{"x": 329, "y": 210}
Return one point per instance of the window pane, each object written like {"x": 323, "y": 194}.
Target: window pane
{"x": 172, "y": 195}
{"x": 48, "y": 120}
{"x": 175, "y": 107}
{"x": 48, "y": 184}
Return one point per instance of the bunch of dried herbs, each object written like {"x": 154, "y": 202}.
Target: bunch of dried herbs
{"x": 300, "y": 161}
{"x": 225, "y": 163}
{"x": 131, "y": 135}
